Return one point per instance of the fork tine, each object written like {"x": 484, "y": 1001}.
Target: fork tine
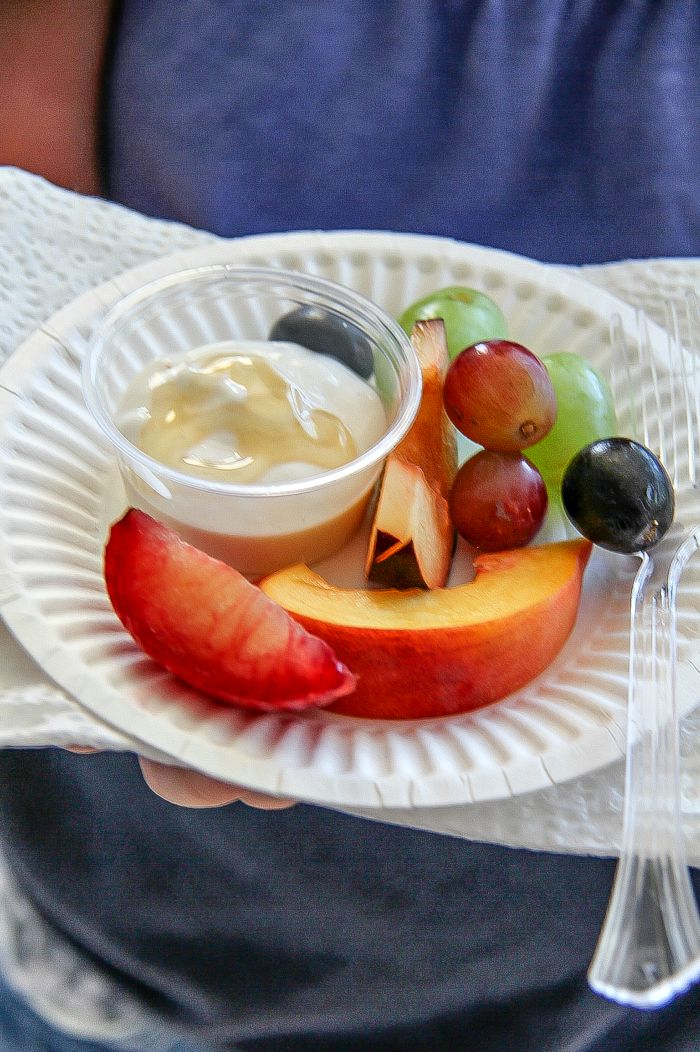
{"x": 635, "y": 384}
{"x": 627, "y": 395}
{"x": 678, "y": 375}
{"x": 647, "y": 364}
{"x": 692, "y": 318}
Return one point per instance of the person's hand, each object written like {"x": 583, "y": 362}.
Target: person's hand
{"x": 188, "y": 788}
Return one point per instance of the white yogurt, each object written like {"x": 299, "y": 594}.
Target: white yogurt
{"x": 251, "y": 411}
{"x": 256, "y": 413}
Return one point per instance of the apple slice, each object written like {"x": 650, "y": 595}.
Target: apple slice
{"x": 411, "y": 538}
{"x": 419, "y": 654}
{"x": 207, "y": 624}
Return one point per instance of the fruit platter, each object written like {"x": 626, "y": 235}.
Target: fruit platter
{"x": 524, "y": 608}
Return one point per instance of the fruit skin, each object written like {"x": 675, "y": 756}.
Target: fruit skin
{"x": 468, "y": 314}
{"x": 499, "y": 394}
{"x": 419, "y": 654}
{"x": 619, "y": 495}
{"x": 321, "y": 331}
{"x": 498, "y": 500}
{"x": 207, "y": 624}
{"x": 411, "y": 536}
{"x": 586, "y": 412}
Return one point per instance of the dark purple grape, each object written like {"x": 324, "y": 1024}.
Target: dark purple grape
{"x": 321, "y": 331}
{"x": 618, "y": 495}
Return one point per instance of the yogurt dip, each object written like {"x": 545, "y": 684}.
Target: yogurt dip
{"x": 254, "y": 413}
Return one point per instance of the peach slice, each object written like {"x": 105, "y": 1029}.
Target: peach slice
{"x": 419, "y": 654}
{"x": 412, "y": 538}
{"x": 207, "y": 624}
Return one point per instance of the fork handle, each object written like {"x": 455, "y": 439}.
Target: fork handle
{"x": 649, "y": 946}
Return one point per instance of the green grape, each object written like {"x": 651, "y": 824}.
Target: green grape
{"x": 585, "y": 412}
{"x": 469, "y": 316}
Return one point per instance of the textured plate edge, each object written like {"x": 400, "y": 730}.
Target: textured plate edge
{"x": 577, "y": 288}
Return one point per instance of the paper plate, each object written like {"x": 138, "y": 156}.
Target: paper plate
{"x": 61, "y": 490}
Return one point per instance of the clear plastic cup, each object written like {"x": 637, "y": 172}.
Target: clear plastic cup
{"x": 256, "y": 528}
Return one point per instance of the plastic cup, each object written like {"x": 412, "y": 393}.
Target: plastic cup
{"x": 256, "y": 528}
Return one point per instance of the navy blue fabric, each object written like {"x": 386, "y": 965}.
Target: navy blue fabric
{"x": 566, "y": 130}
{"x": 563, "y": 129}
{"x": 309, "y": 931}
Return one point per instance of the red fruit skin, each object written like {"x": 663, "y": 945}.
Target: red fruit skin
{"x": 207, "y": 624}
{"x": 500, "y": 395}
{"x": 498, "y": 501}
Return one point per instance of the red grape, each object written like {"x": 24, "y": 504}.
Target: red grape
{"x": 499, "y": 394}
{"x": 498, "y": 500}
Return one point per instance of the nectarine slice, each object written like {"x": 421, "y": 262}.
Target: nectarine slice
{"x": 419, "y": 654}
{"x": 411, "y": 537}
{"x": 207, "y": 624}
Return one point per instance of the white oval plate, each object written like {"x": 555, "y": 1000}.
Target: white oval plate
{"x": 61, "y": 490}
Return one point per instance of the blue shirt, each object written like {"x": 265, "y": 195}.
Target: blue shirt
{"x": 566, "y": 130}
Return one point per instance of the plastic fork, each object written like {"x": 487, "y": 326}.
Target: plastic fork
{"x": 649, "y": 947}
